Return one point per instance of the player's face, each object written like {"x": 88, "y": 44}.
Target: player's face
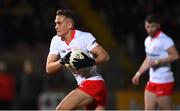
{"x": 63, "y": 25}
{"x": 151, "y": 28}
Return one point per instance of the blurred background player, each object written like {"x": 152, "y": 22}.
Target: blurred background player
{"x": 91, "y": 92}
{"x": 160, "y": 53}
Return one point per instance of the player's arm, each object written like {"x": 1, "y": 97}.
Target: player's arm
{"x": 144, "y": 67}
{"x": 101, "y": 55}
{"x": 53, "y": 63}
{"x": 172, "y": 56}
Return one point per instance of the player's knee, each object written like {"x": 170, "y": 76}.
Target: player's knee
{"x": 62, "y": 107}
{"x": 58, "y": 108}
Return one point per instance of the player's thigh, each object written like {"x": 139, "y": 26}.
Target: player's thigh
{"x": 150, "y": 100}
{"x": 75, "y": 99}
{"x": 164, "y": 102}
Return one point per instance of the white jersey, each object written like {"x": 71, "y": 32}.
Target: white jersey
{"x": 79, "y": 40}
{"x": 156, "y": 48}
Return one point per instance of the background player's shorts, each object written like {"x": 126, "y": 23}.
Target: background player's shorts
{"x": 96, "y": 89}
{"x": 160, "y": 89}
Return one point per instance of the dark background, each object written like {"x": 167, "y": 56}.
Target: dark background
{"x": 26, "y": 29}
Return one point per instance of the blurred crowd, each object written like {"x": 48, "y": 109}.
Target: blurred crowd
{"x": 27, "y": 20}
{"x": 127, "y": 17}
{"x": 27, "y": 26}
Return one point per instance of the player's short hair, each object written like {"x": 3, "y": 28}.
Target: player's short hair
{"x": 67, "y": 13}
{"x": 153, "y": 18}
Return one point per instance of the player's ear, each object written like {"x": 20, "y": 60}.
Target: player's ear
{"x": 70, "y": 25}
{"x": 158, "y": 25}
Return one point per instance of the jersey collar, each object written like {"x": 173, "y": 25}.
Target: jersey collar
{"x": 156, "y": 34}
{"x": 72, "y": 37}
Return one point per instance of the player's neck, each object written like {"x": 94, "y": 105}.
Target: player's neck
{"x": 70, "y": 36}
{"x": 156, "y": 34}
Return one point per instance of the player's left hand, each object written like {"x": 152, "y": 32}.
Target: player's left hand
{"x": 152, "y": 63}
{"x": 65, "y": 59}
{"x": 86, "y": 62}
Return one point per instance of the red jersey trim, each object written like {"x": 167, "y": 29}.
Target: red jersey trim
{"x": 72, "y": 37}
{"x": 156, "y": 35}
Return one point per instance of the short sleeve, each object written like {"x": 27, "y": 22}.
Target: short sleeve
{"x": 90, "y": 42}
{"x": 168, "y": 42}
{"x": 92, "y": 45}
{"x": 146, "y": 41}
{"x": 53, "y": 47}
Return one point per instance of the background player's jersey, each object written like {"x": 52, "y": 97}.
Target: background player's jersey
{"x": 156, "y": 48}
{"x": 79, "y": 40}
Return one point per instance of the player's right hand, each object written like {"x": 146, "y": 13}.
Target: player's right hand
{"x": 135, "y": 79}
{"x": 65, "y": 59}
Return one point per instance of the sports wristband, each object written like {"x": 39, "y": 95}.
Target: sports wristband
{"x": 138, "y": 73}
